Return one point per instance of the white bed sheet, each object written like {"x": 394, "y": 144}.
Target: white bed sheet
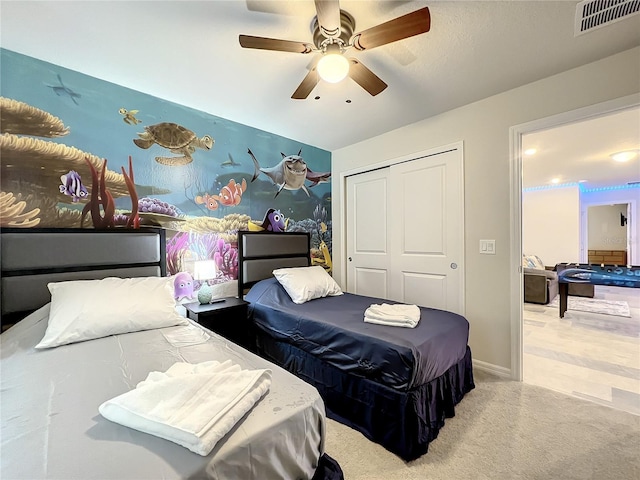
{"x": 51, "y": 428}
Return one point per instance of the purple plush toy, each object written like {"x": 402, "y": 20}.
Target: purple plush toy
{"x": 183, "y": 286}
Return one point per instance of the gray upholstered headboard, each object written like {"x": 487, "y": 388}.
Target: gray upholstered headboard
{"x": 31, "y": 258}
{"x": 259, "y": 253}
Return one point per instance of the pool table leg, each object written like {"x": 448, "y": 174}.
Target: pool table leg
{"x": 564, "y": 294}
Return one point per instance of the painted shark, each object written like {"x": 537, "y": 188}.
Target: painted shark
{"x": 289, "y": 174}
{"x": 317, "y": 177}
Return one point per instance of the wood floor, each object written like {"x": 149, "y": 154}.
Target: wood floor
{"x": 587, "y": 355}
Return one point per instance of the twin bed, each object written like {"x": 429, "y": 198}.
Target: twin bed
{"x": 395, "y": 385}
{"x": 50, "y": 397}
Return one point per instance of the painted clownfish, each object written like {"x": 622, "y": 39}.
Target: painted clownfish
{"x": 208, "y": 201}
{"x": 231, "y": 194}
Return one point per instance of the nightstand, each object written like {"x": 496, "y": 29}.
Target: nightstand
{"x": 228, "y": 318}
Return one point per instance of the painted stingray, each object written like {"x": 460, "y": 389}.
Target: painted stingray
{"x": 63, "y": 90}
{"x": 229, "y": 163}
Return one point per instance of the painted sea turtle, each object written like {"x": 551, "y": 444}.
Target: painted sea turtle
{"x": 176, "y": 138}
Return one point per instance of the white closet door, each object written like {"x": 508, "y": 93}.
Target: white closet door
{"x": 426, "y": 221}
{"x": 368, "y": 243}
{"x": 405, "y": 237}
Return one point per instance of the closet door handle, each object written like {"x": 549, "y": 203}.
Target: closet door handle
{"x": 350, "y": 259}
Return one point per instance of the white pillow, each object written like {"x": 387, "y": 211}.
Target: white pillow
{"x": 532, "y": 261}
{"x": 224, "y": 290}
{"x": 306, "y": 283}
{"x": 86, "y": 309}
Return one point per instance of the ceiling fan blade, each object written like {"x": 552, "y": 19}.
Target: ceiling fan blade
{"x": 406, "y": 26}
{"x": 328, "y": 17}
{"x": 308, "y": 84}
{"x": 365, "y": 77}
{"x": 262, "y": 43}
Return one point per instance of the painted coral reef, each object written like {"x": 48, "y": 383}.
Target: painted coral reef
{"x": 202, "y": 203}
{"x": 11, "y": 209}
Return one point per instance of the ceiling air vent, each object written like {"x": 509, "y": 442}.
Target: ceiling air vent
{"x": 592, "y": 14}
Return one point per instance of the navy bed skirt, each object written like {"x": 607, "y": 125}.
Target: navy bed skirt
{"x": 403, "y": 422}
{"x": 328, "y": 469}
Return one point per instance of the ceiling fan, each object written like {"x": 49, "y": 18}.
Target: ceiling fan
{"x": 332, "y": 35}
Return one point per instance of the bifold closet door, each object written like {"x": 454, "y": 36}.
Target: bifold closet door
{"x": 405, "y": 232}
{"x": 368, "y": 243}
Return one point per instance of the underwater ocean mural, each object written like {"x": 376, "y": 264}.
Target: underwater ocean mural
{"x": 79, "y": 152}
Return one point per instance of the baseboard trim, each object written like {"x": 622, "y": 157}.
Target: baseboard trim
{"x": 492, "y": 369}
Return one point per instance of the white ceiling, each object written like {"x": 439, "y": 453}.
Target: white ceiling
{"x": 188, "y": 52}
{"x": 580, "y": 152}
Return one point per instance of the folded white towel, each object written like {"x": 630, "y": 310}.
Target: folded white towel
{"x": 395, "y": 315}
{"x": 191, "y": 405}
{"x": 394, "y": 323}
{"x": 391, "y": 312}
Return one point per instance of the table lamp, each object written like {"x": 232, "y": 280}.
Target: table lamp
{"x": 204, "y": 270}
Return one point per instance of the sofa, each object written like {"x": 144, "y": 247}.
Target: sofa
{"x": 540, "y": 283}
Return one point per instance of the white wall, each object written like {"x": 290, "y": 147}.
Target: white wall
{"x": 604, "y": 231}
{"x": 609, "y": 197}
{"x": 484, "y": 128}
{"x": 551, "y": 224}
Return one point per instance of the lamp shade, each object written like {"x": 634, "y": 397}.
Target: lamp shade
{"x": 333, "y": 67}
{"x": 204, "y": 269}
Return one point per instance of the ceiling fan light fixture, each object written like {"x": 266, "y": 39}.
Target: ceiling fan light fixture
{"x": 333, "y": 67}
{"x": 333, "y": 34}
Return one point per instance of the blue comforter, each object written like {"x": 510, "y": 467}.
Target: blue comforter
{"x": 333, "y": 329}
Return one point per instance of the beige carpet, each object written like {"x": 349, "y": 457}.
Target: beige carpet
{"x": 506, "y": 430}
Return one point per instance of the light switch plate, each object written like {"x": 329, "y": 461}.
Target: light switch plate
{"x": 488, "y": 247}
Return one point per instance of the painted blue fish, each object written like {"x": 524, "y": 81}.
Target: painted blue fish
{"x": 274, "y": 221}
{"x": 72, "y": 186}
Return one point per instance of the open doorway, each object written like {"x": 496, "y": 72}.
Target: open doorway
{"x": 608, "y": 235}
{"x": 588, "y": 354}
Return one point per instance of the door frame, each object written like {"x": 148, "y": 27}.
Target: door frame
{"x": 515, "y": 170}
{"x": 387, "y": 163}
{"x": 584, "y": 227}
